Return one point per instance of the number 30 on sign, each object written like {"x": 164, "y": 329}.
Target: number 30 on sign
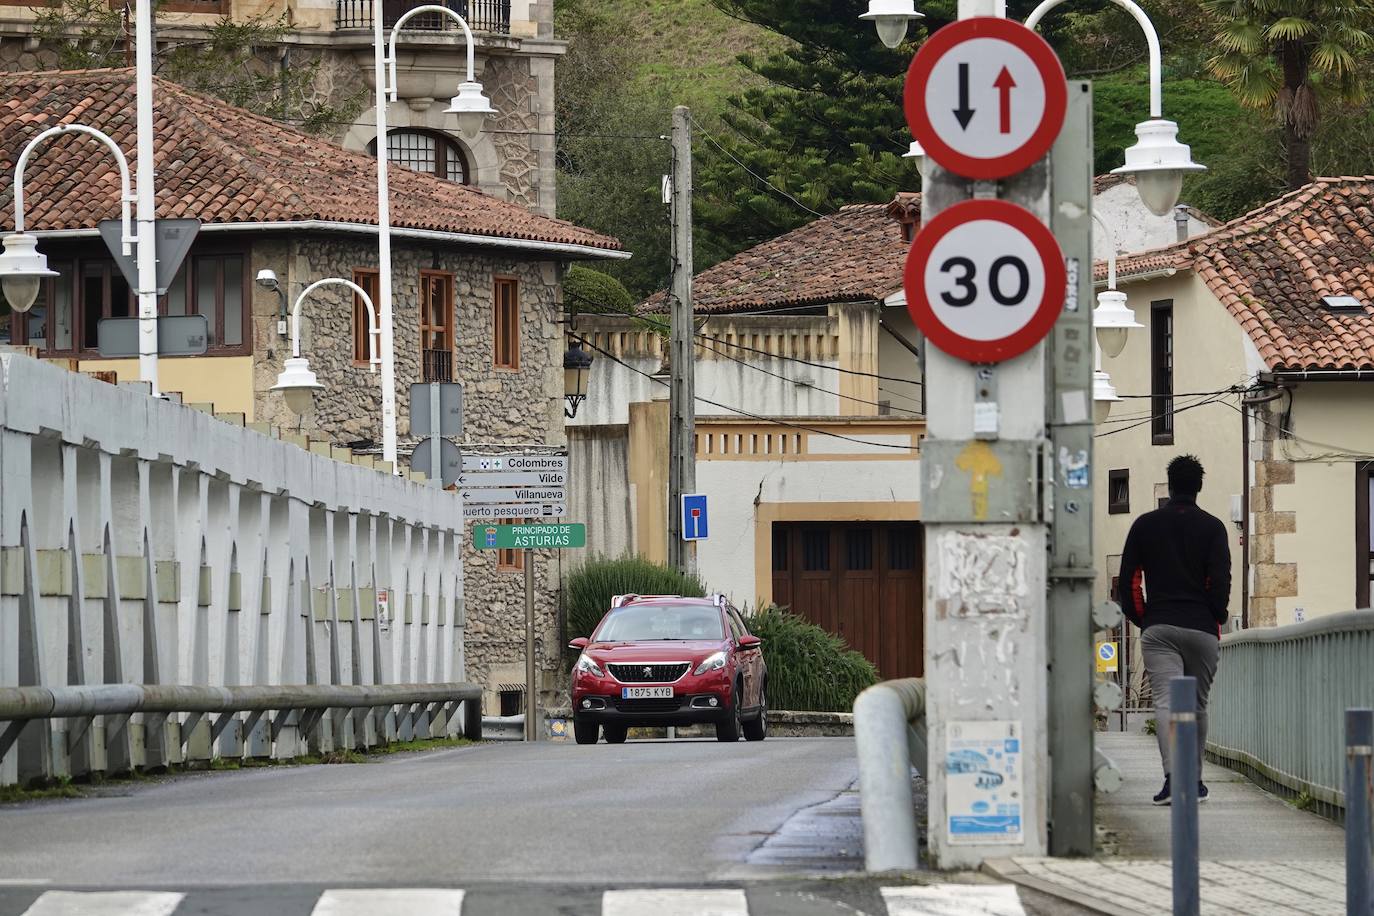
{"x": 985, "y": 281}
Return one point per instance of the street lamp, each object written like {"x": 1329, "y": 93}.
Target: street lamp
{"x": 891, "y": 18}
{"x": 577, "y": 366}
{"x": 472, "y": 107}
{"x": 1157, "y": 160}
{"x": 296, "y": 382}
{"x": 917, "y": 152}
{"x": 1112, "y": 321}
{"x": 22, "y": 266}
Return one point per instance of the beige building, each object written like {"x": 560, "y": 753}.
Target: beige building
{"x": 1256, "y": 355}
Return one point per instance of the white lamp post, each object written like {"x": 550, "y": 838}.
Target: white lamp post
{"x": 1157, "y": 160}
{"x": 22, "y": 266}
{"x": 296, "y": 382}
{"x": 471, "y": 106}
{"x": 891, "y": 18}
{"x": 1112, "y": 320}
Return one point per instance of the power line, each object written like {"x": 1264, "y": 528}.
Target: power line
{"x": 1339, "y": 450}
{"x": 744, "y": 413}
{"x": 712, "y": 140}
{"x": 1218, "y": 399}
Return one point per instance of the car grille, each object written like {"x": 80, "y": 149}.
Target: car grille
{"x": 658, "y": 705}
{"x": 660, "y": 674}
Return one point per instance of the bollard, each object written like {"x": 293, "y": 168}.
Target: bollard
{"x": 1183, "y": 752}
{"x": 1359, "y": 808}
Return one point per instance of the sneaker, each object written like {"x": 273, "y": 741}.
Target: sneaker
{"x": 1163, "y": 797}
{"x": 1201, "y": 792}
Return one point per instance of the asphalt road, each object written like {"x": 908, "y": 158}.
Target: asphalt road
{"x": 519, "y": 829}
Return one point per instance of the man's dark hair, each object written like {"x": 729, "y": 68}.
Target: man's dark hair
{"x": 1185, "y": 476}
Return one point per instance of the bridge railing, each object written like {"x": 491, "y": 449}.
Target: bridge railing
{"x": 1277, "y": 706}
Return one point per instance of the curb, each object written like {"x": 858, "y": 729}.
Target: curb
{"x": 1008, "y": 870}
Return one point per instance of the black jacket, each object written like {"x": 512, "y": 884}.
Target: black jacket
{"x": 1176, "y": 568}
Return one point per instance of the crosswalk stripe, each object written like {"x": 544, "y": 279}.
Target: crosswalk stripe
{"x": 666, "y": 902}
{"x": 400, "y": 901}
{"x": 953, "y": 900}
{"x": 104, "y": 903}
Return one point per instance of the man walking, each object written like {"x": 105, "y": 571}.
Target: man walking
{"x": 1174, "y": 585}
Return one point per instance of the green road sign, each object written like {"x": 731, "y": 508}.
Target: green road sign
{"x": 536, "y": 537}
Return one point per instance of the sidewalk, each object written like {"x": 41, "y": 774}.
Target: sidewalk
{"x": 1260, "y": 855}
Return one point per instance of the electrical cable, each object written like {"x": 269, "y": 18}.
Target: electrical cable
{"x": 744, "y": 413}
{"x": 1214, "y": 400}
{"x": 712, "y": 140}
{"x": 1339, "y": 451}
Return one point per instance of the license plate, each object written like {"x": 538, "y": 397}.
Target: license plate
{"x": 646, "y": 693}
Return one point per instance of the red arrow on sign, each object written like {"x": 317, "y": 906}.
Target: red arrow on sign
{"x": 1003, "y": 85}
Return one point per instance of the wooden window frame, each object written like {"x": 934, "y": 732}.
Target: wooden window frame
{"x": 1118, "y": 506}
{"x": 512, "y": 559}
{"x": 1364, "y": 550}
{"x": 500, "y": 331}
{"x": 368, "y": 278}
{"x": 1163, "y": 359}
{"x": 445, "y": 327}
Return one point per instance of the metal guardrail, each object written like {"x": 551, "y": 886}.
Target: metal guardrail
{"x": 890, "y": 734}
{"x": 1276, "y": 707}
{"x": 302, "y": 706}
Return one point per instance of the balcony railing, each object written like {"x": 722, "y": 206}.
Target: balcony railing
{"x": 481, "y": 15}
{"x": 436, "y": 365}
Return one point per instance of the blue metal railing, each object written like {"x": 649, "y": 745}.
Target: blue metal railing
{"x": 1277, "y": 706}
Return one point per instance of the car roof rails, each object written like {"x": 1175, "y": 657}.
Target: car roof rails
{"x": 621, "y": 600}
{"x": 719, "y": 600}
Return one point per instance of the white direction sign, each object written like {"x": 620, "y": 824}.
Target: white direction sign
{"x": 985, "y": 97}
{"x": 482, "y": 513}
{"x": 985, "y": 280}
{"x": 512, "y": 479}
{"x": 515, "y": 463}
{"x": 516, "y": 495}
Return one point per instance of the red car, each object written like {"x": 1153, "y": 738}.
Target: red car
{"x": 657, "y": 660}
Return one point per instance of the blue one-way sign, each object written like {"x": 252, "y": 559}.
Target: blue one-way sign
{"x": 694, "y": 526}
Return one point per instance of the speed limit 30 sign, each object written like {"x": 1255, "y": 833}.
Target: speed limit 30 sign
{"x": 985, "y": 97}
{"x": 985, "y": 280}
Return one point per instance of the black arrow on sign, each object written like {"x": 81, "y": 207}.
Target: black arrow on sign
{"x": 963, "y": 113}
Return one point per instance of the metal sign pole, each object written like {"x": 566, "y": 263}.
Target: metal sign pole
{"x": 531, "y": 691}
{"x": 436, "y": 467}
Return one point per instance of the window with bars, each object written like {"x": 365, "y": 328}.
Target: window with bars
{"x": 1162, "y": 371}
{"x": 506, "y": 322}
{"x": 367, "y": 278}
{"x": 1118, "y": 492}
{"x": 429, "y": 152}
{"x": 436, "y": 326}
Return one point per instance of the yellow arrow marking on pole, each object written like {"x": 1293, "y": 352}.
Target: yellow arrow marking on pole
{"x": 980, "y": 462}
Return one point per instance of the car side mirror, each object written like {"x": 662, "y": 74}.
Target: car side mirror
{"x": 749, "y": 641}
{"x": 579, "y": 643}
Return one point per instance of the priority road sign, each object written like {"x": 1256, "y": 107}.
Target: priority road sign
{"x": 483, "y": 512}
{"x": 534, "y": 537}
{"x": 695, "y": 526}
{"x": 516, "y": 495}
{"x": 985, "y": 280}
{"x": 985, "y": 97}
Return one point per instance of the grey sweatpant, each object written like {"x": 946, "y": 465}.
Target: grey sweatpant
{"x": 1172, "y": 652}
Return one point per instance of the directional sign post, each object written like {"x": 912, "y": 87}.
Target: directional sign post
{"x": 515, "y": 495}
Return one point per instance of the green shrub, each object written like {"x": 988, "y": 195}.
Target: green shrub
{"x": 808, "y": 669}
{"x": 587, "y": 290}
{"x": 592, "y": 585}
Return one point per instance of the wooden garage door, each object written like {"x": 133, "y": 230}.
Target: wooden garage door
{"x": 861, "y": 581}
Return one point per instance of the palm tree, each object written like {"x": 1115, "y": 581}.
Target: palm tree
{"x": 1290, "y": 54}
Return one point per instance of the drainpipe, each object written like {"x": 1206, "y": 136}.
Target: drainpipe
{"x": 1245, "y": 405}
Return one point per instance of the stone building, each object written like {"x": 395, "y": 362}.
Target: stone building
{"x": 476, "y": 299}
{"x": 333, "y": 40}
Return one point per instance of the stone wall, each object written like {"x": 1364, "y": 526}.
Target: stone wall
{"x": 502, "y": 408}
{"x": 1271, "y": 580}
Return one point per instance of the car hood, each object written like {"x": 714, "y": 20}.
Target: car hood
{"x": 685, "y": 650}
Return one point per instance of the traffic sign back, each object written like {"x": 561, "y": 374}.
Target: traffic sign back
{"x": 985, "y": 97}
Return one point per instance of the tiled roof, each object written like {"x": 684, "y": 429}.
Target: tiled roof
{"x": 1271, "y": 268}
{"x": 853, "y": 255}
{"x": 226, "y": 165}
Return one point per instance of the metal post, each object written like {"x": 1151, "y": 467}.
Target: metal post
{"x": 1069, "y": 402}
{"x": 384, "y": 316}
{"x": 964, "y": 696}
{"x": 682, "y": 468}
{"x": 1183, "y": 783}
{"x": 435, "y": 442}
{"x": 146, "y": 198}
{"x": 531, "y": 689}
{"x": 1359, "y": 810}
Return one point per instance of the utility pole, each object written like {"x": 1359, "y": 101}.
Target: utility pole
{"x": 146, "y": 214}
{"x": 682, "y": 461}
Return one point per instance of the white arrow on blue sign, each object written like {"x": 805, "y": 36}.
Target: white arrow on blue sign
{"x": 694, "y": 520}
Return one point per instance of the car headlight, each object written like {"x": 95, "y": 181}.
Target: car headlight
{"x": 585, "y": 663}
{"x": 713, "y": 663}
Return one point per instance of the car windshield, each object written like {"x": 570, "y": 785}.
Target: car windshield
{"x": 661, "y": 621}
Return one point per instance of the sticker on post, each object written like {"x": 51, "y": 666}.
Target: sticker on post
{"x": 984, "y": 799}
